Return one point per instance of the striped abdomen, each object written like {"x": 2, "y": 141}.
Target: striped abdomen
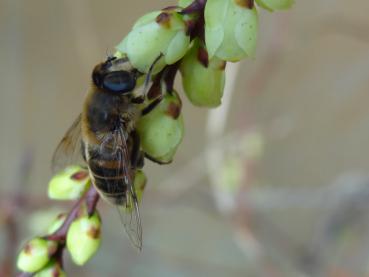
{"x": 107, "y": 174}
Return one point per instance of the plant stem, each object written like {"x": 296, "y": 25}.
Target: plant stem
{"x": 195, "y": 7}
{"x": 90, "y": 197}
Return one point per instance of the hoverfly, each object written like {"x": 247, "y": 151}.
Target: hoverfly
{"x": 104, "y": 136}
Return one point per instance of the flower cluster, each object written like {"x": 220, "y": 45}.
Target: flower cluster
{"x": 196, "y": 38}
{"x": 79, "y": 231}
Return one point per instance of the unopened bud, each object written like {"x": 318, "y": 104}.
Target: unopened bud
{"x": 57, "y": 223}
{"x": 69, "y": 184}
{"x": 231, "y": 28}
{"x": 36, "y": 254}
{"x": 159, "y": 34}
{"x": 83, "y": 238}
{"x": 203, "y": 79}
{"x": 161, "y": 131}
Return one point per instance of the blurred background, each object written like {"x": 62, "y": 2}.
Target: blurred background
{"x": 274, "y": 183}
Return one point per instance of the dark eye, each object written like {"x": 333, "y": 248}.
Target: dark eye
{"x": 119, "y": 81}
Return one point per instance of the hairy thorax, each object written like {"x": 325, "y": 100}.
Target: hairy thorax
{"x": 105, "y": 113}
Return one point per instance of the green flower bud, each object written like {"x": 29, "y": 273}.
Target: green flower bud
{"x": 57, "y": 223}
{"x": 161, "y": 130}
{"x": 69, "y": 184}
{"x": 52, "y": 269}
{"x": 272, "y": 5}
{"x": 83, "y": 238}
{"x": 203, "y": 80}
{"x": 230, "y": 29}
{"x": 140, "y": 183}
{"x": 36, "y": 254}
{"x": 154, "y": 34}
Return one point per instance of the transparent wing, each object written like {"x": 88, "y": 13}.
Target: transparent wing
{"x": 128, "y": 209}
{"x": 69, "y": 149}
{"x": 130, "y": 218}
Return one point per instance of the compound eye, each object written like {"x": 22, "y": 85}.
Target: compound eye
{"x": 119, "y": 81}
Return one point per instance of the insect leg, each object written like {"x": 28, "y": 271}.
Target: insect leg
{"x": 138, "y": 100}
{"x": 152, "y": 105}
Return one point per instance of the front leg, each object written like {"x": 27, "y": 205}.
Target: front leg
{"x": 152, "y": 105}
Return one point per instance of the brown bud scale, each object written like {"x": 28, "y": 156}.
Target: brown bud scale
{"x": 60, "y": 216}
{"x": 28, "y": 249}
{"x": 245, "y": 3}
{"x": 163, "y": 19}
{"x": 203, "y": 57}
{"x": 94, "y": 233}
{"x": 222, "y": 66}
{"x": 80, "y": 175}
{"x": 174, "y": 110}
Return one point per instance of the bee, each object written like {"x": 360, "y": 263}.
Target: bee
{"x": 105, "y": 136}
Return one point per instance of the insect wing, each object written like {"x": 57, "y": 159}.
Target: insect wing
{"x": 69, "y": 149}
{"x": 121, "y": 184}
{"x": 129, "y": 211}
{"x": 130, "y": 218}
